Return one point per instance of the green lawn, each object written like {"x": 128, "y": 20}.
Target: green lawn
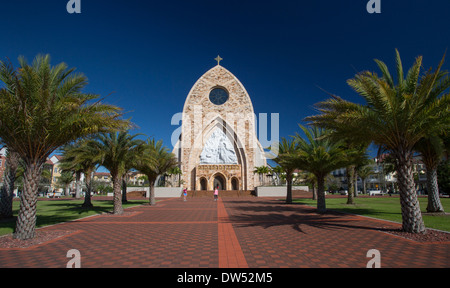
{"x": 385, "y": 207}
{"x": 57, "y": 211}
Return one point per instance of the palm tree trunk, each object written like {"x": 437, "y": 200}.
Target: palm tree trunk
{"x": 364, "y": 185}
{"x": 78, "y": 185}
{"x": 117, "y": 199}
{"x": 351, "y": 187}
{"x": 152, "y": 200}
{"x": 321, "y": 205}
{"x": 314, "y": 193}
{"x": 289, "y": 188}
{"x": 434, "y": 202}
{"x": 7, "y": 190}
{"x": 411, "y": 215}
{"x": 87, "y": 198}
{"x": 124, "y": 189}
{"x": 26, "y": 219}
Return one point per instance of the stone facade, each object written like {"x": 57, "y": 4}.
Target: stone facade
{"x": 235, "y": 118}
{"x": 230, "y": 174}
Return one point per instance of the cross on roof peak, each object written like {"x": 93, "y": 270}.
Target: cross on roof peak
{"x": 218, "y": 59}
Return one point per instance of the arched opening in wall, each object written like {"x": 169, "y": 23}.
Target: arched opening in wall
{"x": 203, "y": 184}
{"x": 219, "y": 182}
{"x": 234, "y": 184}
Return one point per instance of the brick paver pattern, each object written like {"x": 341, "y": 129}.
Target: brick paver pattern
{"x": 228, "y": 233}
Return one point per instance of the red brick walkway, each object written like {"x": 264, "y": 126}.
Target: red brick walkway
{"x": 233, "y": 232}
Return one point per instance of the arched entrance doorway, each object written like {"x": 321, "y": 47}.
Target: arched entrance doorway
{"x": 219, "y": 181}
{"x": 234, "y": 184}
{"x": 203, "y": 184}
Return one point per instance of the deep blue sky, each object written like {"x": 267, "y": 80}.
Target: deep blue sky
{"x": 149, "y": 54}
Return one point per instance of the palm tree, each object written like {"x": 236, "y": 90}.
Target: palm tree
{"x": 278, "y": 173}
{"x": 81, "y": 157}
{"x": 396, "y": 116}
{"x": 364, "y": 172}
{"x": 311, "y": 179}
{"x": 64, "y": 181}
{"x": 431, "y": 150}
{"x": 265, "y": 170}
{"x": 261, "y": 171}
{"x": 356, "y": 157}
{"x": 114, "y": 150}
{"x": 320, "y": 156}
{"x": 176, "y": 171}
{"x": 125, "y": 185}
{"x": 155, "y": 160}
{"x": 7, "y": 190}
{"x": 285, "y": 158}
{"x": 258, "y": 171}
{"x": 76, "y": 168}
{"x": 129, "y": 163}
{"x": 42, "y": 107}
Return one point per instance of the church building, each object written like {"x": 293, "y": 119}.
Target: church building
{"x": 218, "y": 146}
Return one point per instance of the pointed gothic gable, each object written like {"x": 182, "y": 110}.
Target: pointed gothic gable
{"x": 219, "y": 110}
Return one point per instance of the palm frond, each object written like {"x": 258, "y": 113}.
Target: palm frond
{"x": 42, "y": 107}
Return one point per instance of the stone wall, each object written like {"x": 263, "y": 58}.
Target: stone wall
{"x": 160, "y": 192}
{"x": 276, "y": 191}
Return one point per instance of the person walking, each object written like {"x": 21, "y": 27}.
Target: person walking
{"x": 184, "y": 194}
{"x": 216, "y": 193}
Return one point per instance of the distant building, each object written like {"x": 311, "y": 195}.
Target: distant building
{"x": 381, "y": 179}
{"x": 56, "y": 171}
{"x": 136, "y": 178}
{"x": 103, "y": 177}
